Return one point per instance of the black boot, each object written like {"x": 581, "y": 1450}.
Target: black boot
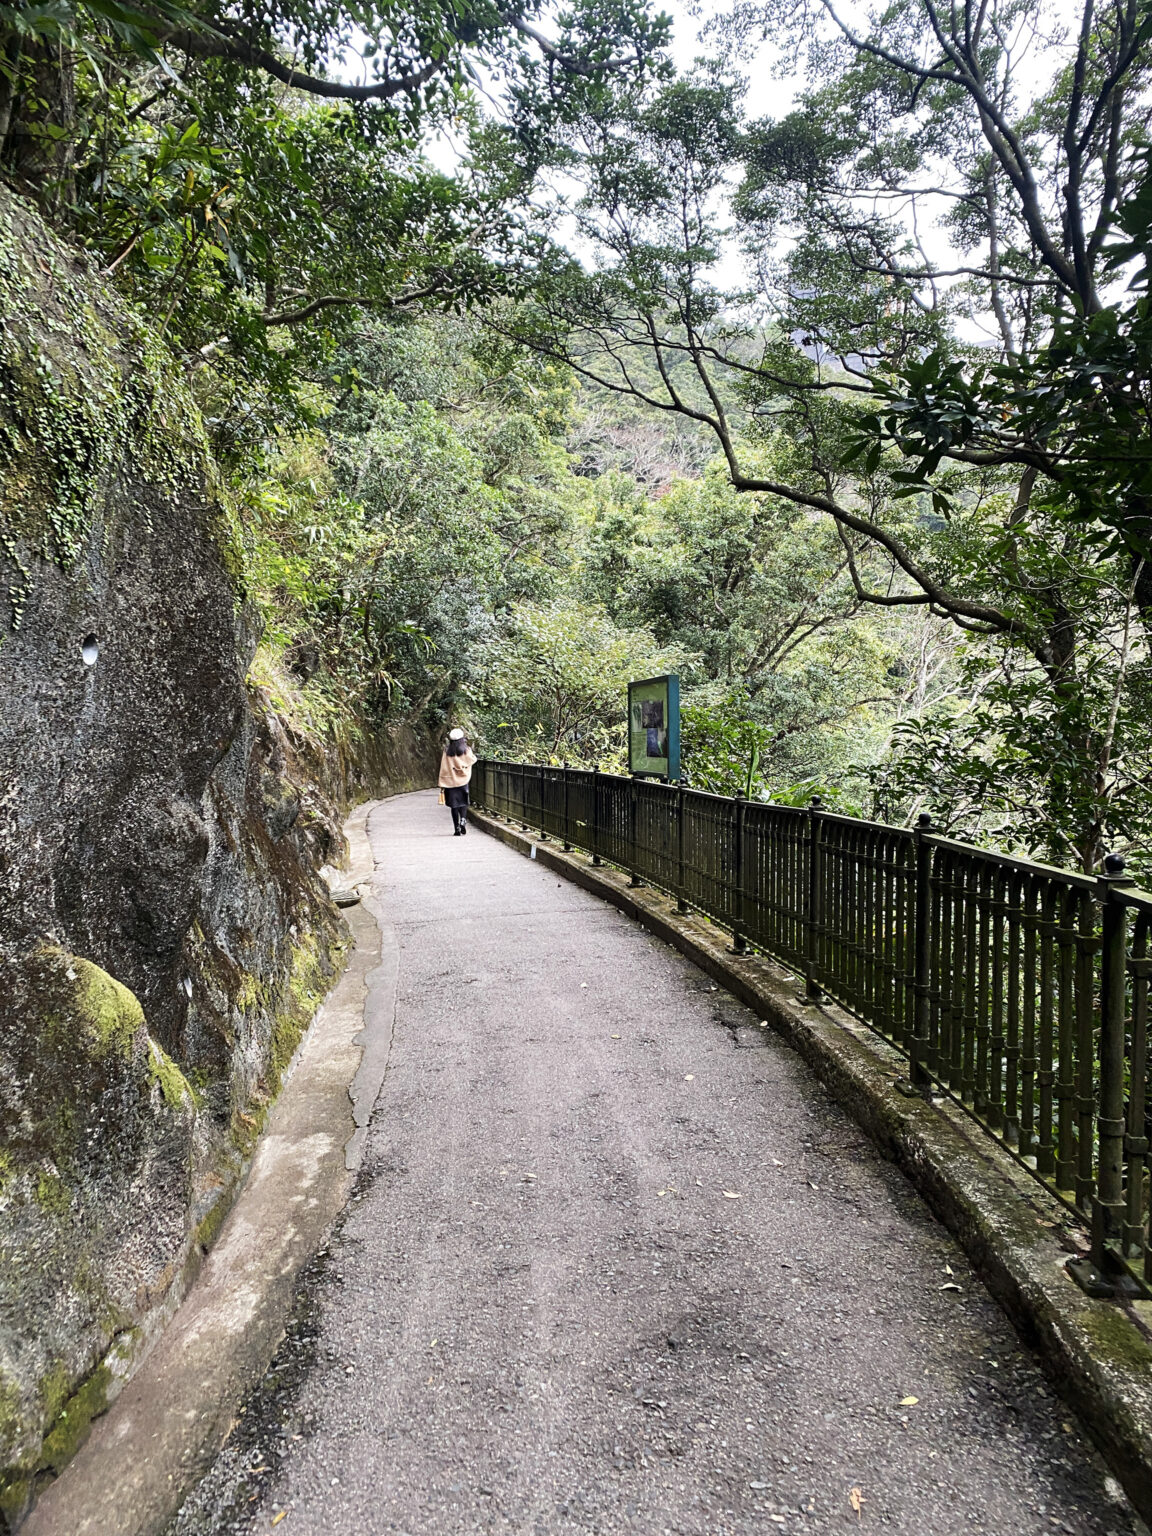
{"x": 463, "y": 822}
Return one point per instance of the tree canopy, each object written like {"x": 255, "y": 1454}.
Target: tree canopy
{"x": 843, "y": 412}
{"x": 931, "y": 343}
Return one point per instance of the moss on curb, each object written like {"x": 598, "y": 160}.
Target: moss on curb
{"x": 208, "y": 1228}
{"x": 317, "y": 958}
{"x": 72, "y": 1423}
{"x": 71, "y": 1417}
{"x": 307, "y": 984}
{"x": 1117, "y": 1340}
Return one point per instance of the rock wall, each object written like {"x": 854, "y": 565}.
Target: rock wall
{"x": 164, "y": 934}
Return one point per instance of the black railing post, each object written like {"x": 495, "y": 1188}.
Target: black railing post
{"x": 681, "y": 904}
{"x": 633, "y": 847}
{"x": 594, "y": 828}
{"x": 1108, "y": 1204}
{"x": 812, "y": 988}
{"x": 1136, "y": 1142}
{"x": 567, "y": 814}
{"x": 739, "y": 942}
{"x": 922, "y": 980}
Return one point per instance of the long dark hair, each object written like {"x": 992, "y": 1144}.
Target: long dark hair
{"x": 457, "y": 747}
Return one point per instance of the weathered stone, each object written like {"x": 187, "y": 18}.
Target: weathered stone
{"x": 281, "y": 806}
{"x": 164, "y": 936}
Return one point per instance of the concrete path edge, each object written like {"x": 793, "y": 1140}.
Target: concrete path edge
{"x": 1097, "y": 1353}
{"x": 177, "y": 1407}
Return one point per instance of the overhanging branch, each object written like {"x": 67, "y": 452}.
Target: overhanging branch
{"x": 364, "y": 301}
{"x": 218, "y": 46}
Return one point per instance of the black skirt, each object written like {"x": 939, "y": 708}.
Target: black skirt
{"x": 456, "y": 796}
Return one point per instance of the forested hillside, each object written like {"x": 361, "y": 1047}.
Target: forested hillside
{"x": 471, "y": 535}
{"x": 497, "y": 436}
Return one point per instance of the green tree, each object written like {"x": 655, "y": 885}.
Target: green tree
{"x": 758, "y": 592}
{"x": 252, "y": 200}
{"x": 923, "y": 114}
{"x": 385, "y": 545}
{"x": 556, "y": 683}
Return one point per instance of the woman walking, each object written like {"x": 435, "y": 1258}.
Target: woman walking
{"x": 455, "y": 772}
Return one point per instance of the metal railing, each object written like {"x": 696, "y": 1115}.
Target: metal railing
{"x": 1018, "y": 989}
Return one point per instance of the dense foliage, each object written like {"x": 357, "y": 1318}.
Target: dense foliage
{"x": 436, "y": 551}
{"x": 505, "y": 434}
{"x": 930, "y": 347}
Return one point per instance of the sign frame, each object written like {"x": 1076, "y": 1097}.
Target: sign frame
{"x": 663, "y": 692}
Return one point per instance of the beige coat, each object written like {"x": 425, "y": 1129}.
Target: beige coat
{"x": 456, "y": 771}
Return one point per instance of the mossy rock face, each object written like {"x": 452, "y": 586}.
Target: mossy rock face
{"x": 86, "y": 392}
{"x": 95, "y": 1140}
{"x": 165, "y": 935}
{"x": 121, "y": 678}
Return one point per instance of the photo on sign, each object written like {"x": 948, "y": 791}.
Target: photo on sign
{"x": 657, "y": 740}
{"x": 652, "y": 717}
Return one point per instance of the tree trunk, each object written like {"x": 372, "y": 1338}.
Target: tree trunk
{"x": 9, "y": 68}
{"x": 41, "y": 131}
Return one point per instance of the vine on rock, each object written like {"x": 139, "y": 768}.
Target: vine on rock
{"x": 83, "y": 395}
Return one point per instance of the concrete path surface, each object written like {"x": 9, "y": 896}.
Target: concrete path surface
{"x": 615, "y": 1263}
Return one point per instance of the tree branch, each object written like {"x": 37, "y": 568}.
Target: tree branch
{"x": 568, "y": 61}
{"x": 219, "y": 46}
{"x": 328, "y": 301}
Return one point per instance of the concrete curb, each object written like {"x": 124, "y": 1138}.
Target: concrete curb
{"x": 1097, "y": 1353}
{"x": 176, "y": 1410}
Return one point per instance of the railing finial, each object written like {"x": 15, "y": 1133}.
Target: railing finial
{"x": 1114, "y": 864}
{"x": 924, "y": 821}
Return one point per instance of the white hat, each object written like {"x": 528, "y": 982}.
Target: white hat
{"x": 455, "y": 734}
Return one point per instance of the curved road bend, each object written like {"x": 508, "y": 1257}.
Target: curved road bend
{"x": 615, "y": 1263}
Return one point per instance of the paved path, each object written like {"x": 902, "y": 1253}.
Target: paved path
{"x": 615, "y": 1263}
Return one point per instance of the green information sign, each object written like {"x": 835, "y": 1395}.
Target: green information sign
{"x": 654, "y": 727}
